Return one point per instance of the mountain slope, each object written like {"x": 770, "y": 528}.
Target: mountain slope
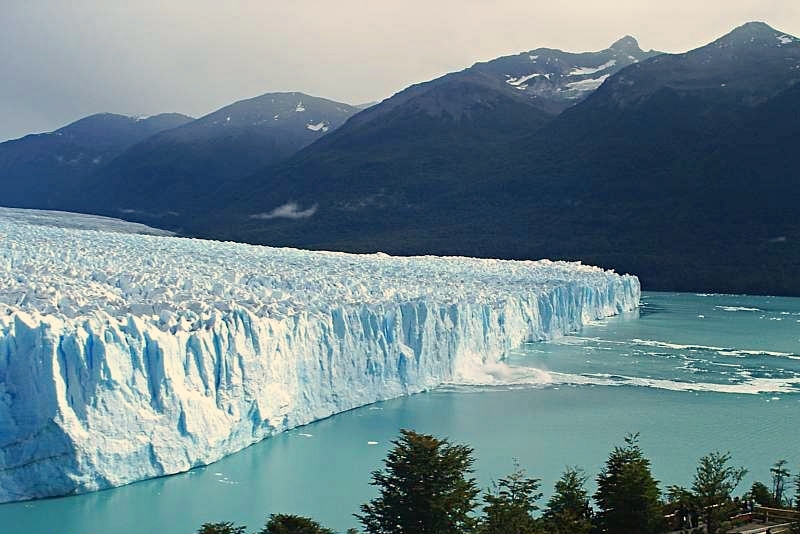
{"x": 391, "y": 159}
{"x": 37, "y": 170}
{"x": 678, "y": 168}
{"x": 182, "y": 168}
{"x": 683, "y": 163}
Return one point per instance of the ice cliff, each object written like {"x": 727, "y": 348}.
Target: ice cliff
{"x": 124, "y": 357}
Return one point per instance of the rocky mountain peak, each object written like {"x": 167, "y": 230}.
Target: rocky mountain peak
{"x": 755, "y": 34}
{"x": 626, "y": 45}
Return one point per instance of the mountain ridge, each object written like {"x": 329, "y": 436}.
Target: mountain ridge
{"x": 171, "y": 172}
{"x": 643, "y": 177}
{"x": 36, "y": 170}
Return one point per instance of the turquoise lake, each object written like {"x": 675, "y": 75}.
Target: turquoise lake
{"x": 690, "y": 373}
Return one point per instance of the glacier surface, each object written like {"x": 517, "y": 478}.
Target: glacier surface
{"x": 124, "y": 357}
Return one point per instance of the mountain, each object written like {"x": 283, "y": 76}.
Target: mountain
{"x": 36, "y": 169}
{"x": 683, "y": 165}
{"x": 172, "y": 172}
{"x": 555, "y": 80}
{"x": 678, "y": 167}
{"x": 400, "y": 153}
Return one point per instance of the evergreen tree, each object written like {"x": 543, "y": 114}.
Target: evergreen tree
{"x": 221, "y": 528}
{"x": 568, "y": 510}
{"x": 424, "y": 489}
{"x": 293, "y": 524}
{"x": 510, "y": 506}
{"x": 779, "y": 476}
{"x": 713, "y": 485}
{"x": 627, "y": 494}
{"x": 761, "y": 494}
{"x": 677, "y": 496}
{"x": 796, "y": 481}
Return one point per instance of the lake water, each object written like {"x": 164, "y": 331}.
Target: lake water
{"x": 690, "y": 373}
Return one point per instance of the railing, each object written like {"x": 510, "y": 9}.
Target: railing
{"x": 779, "y": 515}
{"x": 774, "y": 520}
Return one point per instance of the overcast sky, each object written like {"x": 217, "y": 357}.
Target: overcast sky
{"x": 61, "y": 60}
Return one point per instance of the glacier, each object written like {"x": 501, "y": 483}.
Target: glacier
{"x": 125, "y": 357}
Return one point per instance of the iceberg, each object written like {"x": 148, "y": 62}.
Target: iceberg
{"x": 125, "y": 357}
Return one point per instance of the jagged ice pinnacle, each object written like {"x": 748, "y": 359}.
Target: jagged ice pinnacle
{"x": 124, "y": 357}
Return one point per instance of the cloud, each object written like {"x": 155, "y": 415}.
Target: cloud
{"x": 290, "y": 210}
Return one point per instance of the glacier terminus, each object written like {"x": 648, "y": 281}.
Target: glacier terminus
{"x": 125, "y": 357}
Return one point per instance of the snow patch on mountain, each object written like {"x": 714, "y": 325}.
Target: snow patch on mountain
{"x": 124, "y": 357}
{"x": 589, "y": 84}
{"x": 586, "y": 71}
{"x": 320, "y": 126}
{"x": 522, "y": 79}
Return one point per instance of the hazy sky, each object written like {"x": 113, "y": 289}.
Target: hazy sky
{"x": 61, "y": 60}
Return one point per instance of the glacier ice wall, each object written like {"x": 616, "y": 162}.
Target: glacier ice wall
{"x": 124, "y": 357}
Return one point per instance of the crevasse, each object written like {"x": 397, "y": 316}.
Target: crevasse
{"x": 124, "y": 357}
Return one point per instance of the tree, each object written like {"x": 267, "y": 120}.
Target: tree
{"x": 568, "y": 510}
{"x": 761, "y": 494}
{"x": 796, "y": 482}
{"x": 779, "y": 476}
{"x": 627, "y": 494}
{"x": 714, "y": 482}
{"x": 510, "y": 506}
{"x": 424, "y": 489}
{"x": 221, "y": 528}
{"x": 677, "y": 496}
{"x": 293, "y": 524}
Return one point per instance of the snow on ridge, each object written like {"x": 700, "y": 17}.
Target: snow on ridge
{"x": 124, "y": 357}
{"x": 585, "y": 71}
{"x": 522, "y": 79}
